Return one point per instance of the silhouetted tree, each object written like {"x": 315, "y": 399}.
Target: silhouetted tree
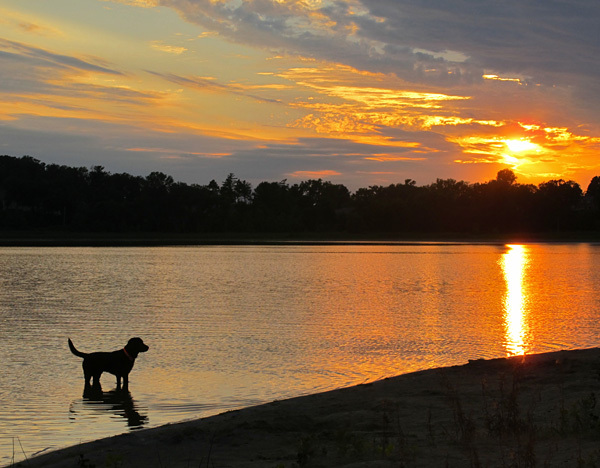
{"x": 592, "y": 193}
{"x": 397, "y": 208}
{"x": 23, "y": 191}
{"x": 322, "y": 205}
{"x": 506, "y": 176}
{"x": 557, "y": 205}
{"x": 275, "y": 209}
{"x": 448, "y": 204}
{"x": 502, "y": 205}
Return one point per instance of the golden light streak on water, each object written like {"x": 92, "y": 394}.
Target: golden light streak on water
{"x": 514, "y": 263}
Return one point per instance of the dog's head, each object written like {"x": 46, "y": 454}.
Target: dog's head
{"x": 136, "y": 345}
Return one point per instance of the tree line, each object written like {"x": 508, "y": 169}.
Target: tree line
{"x": 35, "y": 195}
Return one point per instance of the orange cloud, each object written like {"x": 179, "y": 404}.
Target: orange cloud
{"x": 345, "y": 108}
{"x": 138, "y": 3}
{"x": 388, "y": 158}
{"x": 158, "y": 45}
{"x": 499, "y": 78}
{"x": 313, "y": 174}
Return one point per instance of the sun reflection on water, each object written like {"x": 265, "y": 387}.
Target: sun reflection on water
{"x": 514, "y": 262}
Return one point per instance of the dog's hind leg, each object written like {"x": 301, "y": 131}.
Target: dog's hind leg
{"x": 97, "y": 379}
{"x": 91, "y": 372}
{"x": 87, "y": 376}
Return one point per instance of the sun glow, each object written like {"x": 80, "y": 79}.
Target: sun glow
{"x": 521, "y": 145}
{"x": 514, "y": 263}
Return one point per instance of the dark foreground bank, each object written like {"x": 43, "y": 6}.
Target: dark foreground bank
{"x": 538, "y": 410}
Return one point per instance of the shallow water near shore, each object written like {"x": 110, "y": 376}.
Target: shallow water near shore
{"x": 231, "y": 326}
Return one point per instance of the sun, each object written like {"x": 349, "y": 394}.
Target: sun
{"x": 521, "y": 145}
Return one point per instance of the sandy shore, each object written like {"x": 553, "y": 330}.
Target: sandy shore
{"x": 538, "y": 410}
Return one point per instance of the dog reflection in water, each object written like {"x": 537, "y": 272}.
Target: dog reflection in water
{"x": 118, "y": 402}
{"x": 119, "y": 363}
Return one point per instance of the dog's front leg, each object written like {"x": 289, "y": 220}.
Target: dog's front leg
{"x": 126, "y": 382}
{"x": 118, "y": 382}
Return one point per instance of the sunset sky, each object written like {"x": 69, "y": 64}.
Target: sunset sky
{"x": 358, "y": 92}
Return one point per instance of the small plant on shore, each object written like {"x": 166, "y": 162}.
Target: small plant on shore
{"x": 502, "y": 413}
{"x": 213, "y": 436}
{"x": 585, "y": 414}
{"x": 383, "y": 444}
{"x": 83, "y": 462}
{"x": 581, "y": 417}
{"x": 26, "y": 460}
{"x": 309, "y": 449}
{"x": 464, "y": 423}
{"x": 430, "y": 431}
{"x": 349, "y": 444}
{"x": 591, "y": 461}
{"x": 114, "y": 460}
{"x": 392, "y": 442}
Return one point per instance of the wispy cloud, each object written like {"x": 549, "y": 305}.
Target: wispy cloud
{"x": 12, "y": 50}
{"x": 39, "y": 82}
{"x": 173, "y": 153}
{"x": 27, "y": 23}
{"x": 33, "y": 28}
{"x": 170, "y": 49}
{"x": 210, "y": 84}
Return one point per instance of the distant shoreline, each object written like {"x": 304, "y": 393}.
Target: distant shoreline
{"x": 64, "y": 239}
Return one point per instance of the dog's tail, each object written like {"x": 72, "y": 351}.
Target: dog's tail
{"x": 74, "y": 350}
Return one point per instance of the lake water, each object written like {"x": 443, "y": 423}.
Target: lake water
{"x": 232, "y": 326}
